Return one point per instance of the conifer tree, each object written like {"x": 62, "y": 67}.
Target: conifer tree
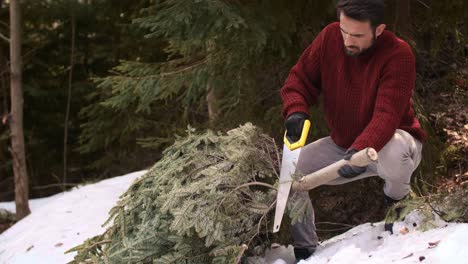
{"x": 208, "y": 200}
{"x": 223, "y": 64}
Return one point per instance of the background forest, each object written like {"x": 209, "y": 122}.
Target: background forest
{"x": 109, "y": 84}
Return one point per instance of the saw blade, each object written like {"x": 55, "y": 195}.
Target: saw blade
{"x": 288, "y": 167}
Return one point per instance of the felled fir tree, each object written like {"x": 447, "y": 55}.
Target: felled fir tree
{"x": 208, "y": 200}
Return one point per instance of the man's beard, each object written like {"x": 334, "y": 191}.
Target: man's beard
{"x": 350, "y": 52}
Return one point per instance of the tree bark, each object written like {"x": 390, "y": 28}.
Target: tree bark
{"x": 3, "y": 76}
{"x": 3, "y": 82}
{"x": 16, "y": 120}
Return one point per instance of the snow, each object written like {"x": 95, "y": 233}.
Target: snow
{"x": 371, "y": 244}
{"x": 60, "y": 222}
{"x": 65, "y": 220}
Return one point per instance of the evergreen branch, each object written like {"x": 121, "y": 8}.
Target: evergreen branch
{"x": 203, "y": 167}
{"x": 98, "y": 243}
{"x": 243, "y": 186}
{"x": 259, "y": 224}
{"x": 277, "y": 155}
{"x": 255, "y": 183}
{"x": 244, "y": 247}
{"x": 271, "y": 160}
{"x": 164, "y": 74}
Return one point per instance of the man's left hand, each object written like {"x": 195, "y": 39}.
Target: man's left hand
{"x": 348, "y": 171}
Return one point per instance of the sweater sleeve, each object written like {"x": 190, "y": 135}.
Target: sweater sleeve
{"x": 301, "y": 88}
{"x": 393, "y": 98}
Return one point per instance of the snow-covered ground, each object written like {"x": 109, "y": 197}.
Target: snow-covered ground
{"x": 60, "y": 222}
{"x": 65, "y": 220}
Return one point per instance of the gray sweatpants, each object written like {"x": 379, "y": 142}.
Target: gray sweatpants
{"x": 396, "y": 162}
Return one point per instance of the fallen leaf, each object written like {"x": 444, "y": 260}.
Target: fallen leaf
{"x": 433, "y": 244}
{"x": 29, "y": 248}
{"x": 58, "y": 244}
{"x": 410, "y": 254}
{"x": 421, "y": 258}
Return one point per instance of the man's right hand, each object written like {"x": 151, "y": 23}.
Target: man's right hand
{"x": 294, "y": 124}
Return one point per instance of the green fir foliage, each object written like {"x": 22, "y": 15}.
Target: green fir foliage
{"x": 202, "y": 202}
{"x": 240, "y": 50}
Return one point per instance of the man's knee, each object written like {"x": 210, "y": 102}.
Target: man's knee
{"x": 396, "y": 190}
{"x": 397, "y": 148}
{"x": 397, "y": 159}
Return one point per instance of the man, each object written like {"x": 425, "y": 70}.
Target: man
{"x": 366, "y": 76}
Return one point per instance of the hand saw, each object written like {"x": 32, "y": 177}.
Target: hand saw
{"x": 291, "y": 151}
{"x": 313, "y": 180}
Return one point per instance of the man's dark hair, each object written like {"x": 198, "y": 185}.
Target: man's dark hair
{"x": 363, "y": 10}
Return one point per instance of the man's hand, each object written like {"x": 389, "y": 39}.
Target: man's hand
{"x": 348, "y": 171}
{"x": 294, "y": 124}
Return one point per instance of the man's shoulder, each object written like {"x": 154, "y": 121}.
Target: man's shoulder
{"x": 395, "y": 46}
{"x": 332, "y": 28}
{"x": 395, "y": 53}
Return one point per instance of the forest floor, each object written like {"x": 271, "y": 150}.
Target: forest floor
{"x": 450, "y": 120}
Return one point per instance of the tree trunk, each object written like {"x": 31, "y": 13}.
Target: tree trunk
{"x": 70, "y": 83}
{"x": 16, "y": 120}
{"x": 3, "y": 81}
{"x": 3, "y": 117}
{"x": 402, "y": 20}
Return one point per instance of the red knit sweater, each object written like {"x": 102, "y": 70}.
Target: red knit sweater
{"x": 366, "y": 98}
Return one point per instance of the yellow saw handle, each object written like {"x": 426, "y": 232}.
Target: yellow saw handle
{"x": 301, "y": 142}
